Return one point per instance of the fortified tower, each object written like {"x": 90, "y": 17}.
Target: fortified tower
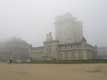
{"x": 68, "y": 29}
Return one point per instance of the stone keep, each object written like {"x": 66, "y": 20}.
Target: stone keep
{"x": 68, "y": 29}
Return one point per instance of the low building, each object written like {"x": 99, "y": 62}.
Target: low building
{"x": 16, "y": 49}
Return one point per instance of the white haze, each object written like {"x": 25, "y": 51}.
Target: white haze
{"x": 32, "y": 19}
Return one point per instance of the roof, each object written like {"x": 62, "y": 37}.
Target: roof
{"x": 17, "y": 42}
{"x": 35, "y": 48}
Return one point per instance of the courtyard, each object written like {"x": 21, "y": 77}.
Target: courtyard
{"x": 53, "y": 71}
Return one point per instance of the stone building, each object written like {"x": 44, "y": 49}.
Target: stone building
{"x": 69, "y": 42}
{"x": 72, "y": 51}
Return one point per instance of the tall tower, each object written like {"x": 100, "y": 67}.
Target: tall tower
{"x": 68, "y": 29}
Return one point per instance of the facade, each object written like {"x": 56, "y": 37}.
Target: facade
{"x": 102, "y": 53}
{"x": 38, "y": 53}
{"x": 69, "y": 43}
{"x": 75, "y": 51}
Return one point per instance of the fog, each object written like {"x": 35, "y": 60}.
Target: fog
{"x": 32, "y": 19}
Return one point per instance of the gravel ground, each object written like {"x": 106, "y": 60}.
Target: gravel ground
{"x": 53, "y": 71}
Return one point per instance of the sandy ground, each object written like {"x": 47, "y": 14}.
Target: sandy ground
{"x": 53, "y": 71}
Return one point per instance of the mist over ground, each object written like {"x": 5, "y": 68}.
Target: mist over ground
{"x": 32, "y": 19}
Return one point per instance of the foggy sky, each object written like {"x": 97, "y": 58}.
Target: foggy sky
{"x": 32, "y": 19}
